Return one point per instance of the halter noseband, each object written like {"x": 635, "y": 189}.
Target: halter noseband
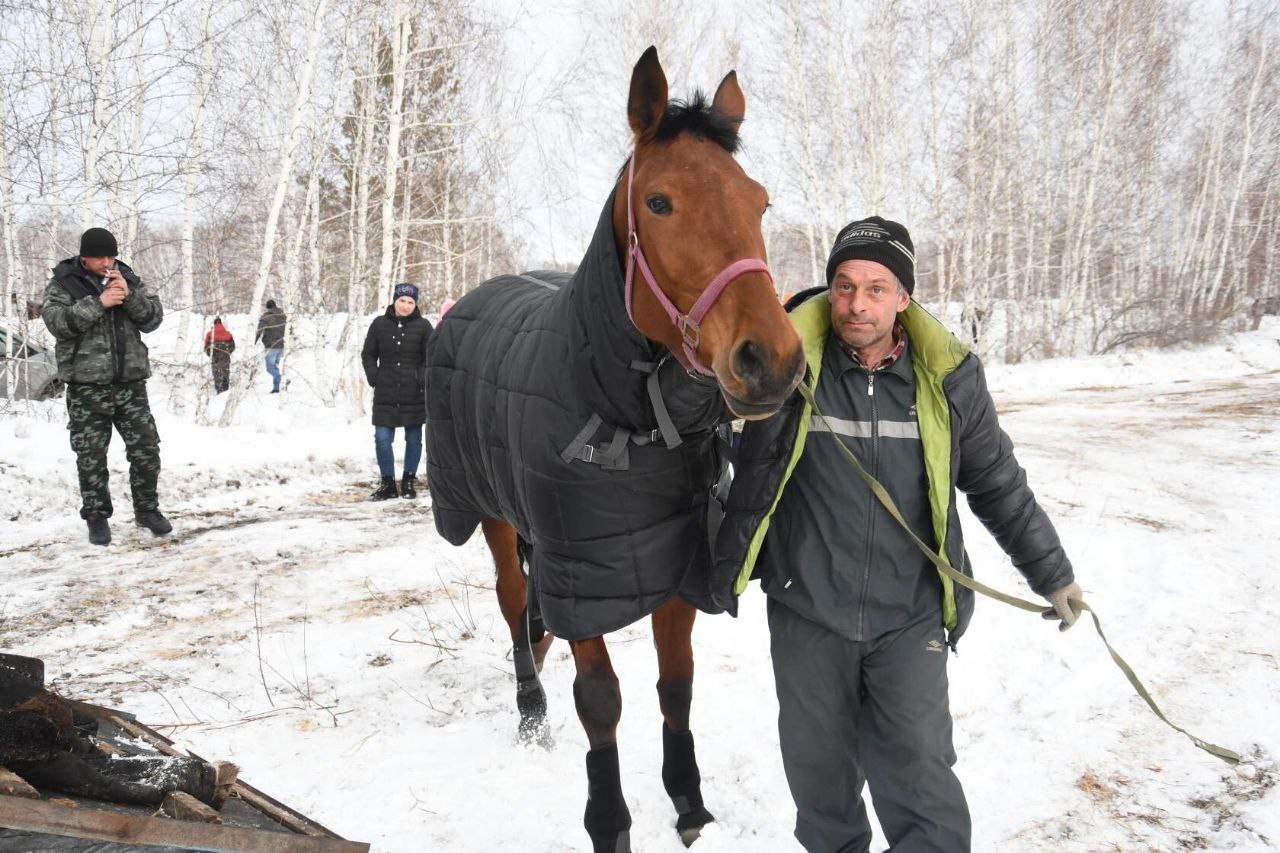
{"x": 687, "y": 324}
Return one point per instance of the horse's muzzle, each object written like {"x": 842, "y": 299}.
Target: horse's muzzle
{"x": 763, "y": 383}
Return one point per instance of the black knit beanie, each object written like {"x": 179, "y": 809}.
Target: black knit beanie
{"x": 98, "y": 243}
{"x": 879, "y": 240}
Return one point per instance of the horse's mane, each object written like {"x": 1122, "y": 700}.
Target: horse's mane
{"x": 696, "y": 117}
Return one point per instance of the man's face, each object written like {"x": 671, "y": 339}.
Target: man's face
{"x": 865, "y": 300}
{"x": 405, "y": 305}
{"x": 98, "y": 266}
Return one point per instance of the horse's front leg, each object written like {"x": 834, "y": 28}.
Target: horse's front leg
{"x": 599, "y": 702}
{"x": 672, "y": 634}
{"x": 528, "y": 650}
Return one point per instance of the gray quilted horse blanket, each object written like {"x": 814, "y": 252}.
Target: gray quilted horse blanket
{"x": 547, "y": 408}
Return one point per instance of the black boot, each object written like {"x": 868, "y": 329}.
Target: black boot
{"x": 99, "y": 530}
{"x": 683, "y": 782}
{"x": 607, "y": 819}
{"x": 154, "y": 521}
{"x": 407, "y": 487}
{"x": 385, "y": 491}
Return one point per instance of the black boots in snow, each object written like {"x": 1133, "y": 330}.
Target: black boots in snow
{"x": 408, "y": 489}
{"x": 99, "y": 530}
{"x": 154, "y": 521}
{"x": 385, "y": 491}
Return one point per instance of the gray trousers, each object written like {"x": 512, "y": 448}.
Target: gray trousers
{"x": 875, "y": 713}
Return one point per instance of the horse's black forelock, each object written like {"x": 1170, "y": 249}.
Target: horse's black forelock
{"x": 696, "y": 117}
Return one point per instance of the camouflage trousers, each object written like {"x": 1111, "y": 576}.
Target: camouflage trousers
{"x": 92, "y": 410}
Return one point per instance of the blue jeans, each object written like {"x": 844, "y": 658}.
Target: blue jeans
{"x": 382, "y": 438}
{"x": 273, "y": 367}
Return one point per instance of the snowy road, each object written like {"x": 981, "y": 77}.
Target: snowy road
{"x": 356, "y": 666}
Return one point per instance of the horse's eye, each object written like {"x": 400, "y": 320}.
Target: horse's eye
{"x": 659, "y": 204}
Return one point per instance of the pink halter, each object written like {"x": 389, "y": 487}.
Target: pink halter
{"x": 687, "y": 324}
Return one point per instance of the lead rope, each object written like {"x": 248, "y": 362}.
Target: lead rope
{"x": 964, "y": 580}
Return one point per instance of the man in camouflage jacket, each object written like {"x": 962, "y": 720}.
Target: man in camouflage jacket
{"x": 96, "y": 308}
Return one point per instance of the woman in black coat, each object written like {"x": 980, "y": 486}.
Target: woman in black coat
{"x": 394, "y": 358}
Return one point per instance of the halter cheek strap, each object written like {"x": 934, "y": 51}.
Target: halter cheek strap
{"x": 689, "y": 325}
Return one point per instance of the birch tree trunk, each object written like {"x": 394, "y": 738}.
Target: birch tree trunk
{"x": 100, "y": 42}
{"x": 193, "y": 166}
{"x": 402, "y": 28}
{"x": 1244, "y": 138}
{"x": 362, "y": 168}
{"x": 10, "y": 290}
{"x": 131, "y": 192}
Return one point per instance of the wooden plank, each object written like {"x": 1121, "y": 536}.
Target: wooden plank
{"x": 180, "y": 805}
{"x": 100, "y": 825}
{"x": 14, "y": 785}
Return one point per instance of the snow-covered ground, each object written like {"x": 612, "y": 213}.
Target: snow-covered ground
{"x": 357, "y": 667}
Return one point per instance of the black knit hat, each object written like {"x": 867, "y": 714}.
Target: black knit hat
{"x": 98, "y": 243}
{"x": 879, "y": 240}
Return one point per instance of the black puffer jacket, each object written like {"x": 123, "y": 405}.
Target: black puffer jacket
{"x": 964, "y": 448}
{"x": 394, "y": 358}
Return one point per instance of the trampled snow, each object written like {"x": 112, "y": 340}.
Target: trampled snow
{"x": 356, "y": 666}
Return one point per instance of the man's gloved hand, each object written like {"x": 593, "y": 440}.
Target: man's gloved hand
{"x": 1061, "y": 609}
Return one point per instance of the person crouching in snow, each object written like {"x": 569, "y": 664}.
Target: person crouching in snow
{"x": 218, "y": 345}
{"x": 395, "y": 358}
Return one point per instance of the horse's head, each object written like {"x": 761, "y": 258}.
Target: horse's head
{"x": 687, "y": 218}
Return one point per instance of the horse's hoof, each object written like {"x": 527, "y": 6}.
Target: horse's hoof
{"x": 689, "y": 826}
{"x": 535, "y": 732}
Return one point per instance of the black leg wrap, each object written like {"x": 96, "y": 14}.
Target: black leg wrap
{"x": 533, "y": 615}
{"x": 683, "y": 782}
{"x": 531, "y": 699}
{"x": 607, "y": 819}
{"x": 537, "y": 630}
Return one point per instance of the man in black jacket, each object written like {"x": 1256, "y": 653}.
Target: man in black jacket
{"x": 96, "y": 306}
{"x": 271, "y": 332}
{"x": 859, "y": 619}
{"x": 395, "y": 358}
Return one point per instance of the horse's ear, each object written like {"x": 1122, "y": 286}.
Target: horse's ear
{"x": 729, "y": 103}
{"x": 648, "y": 99}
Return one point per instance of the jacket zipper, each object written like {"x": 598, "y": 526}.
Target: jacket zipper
{"x": 399, "y": 343}
{"x": 871, "y": 509}
{"x": 117, "y": 326}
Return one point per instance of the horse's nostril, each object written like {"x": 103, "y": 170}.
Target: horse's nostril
{"x": 750, "y": 363}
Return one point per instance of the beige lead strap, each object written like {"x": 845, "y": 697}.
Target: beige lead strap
{"x": 964, "y": 580}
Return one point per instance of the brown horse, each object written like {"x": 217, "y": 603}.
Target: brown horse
{"x": 684, "y": 254}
